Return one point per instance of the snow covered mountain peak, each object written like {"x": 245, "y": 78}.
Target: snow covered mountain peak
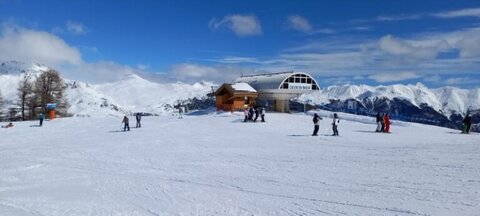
{"x": 130, "y": 94}
{"x": 17, "y": 67}
{"x": 446, "y": 100}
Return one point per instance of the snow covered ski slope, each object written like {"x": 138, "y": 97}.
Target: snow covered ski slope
{"x": 215, "y": 164}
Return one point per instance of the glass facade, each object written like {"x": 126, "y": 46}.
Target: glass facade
{"x": 301, "y": 79}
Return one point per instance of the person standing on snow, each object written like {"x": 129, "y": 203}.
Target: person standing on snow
{"x": 125, "y": 121}
{"x": 180, "y": 112}
{"x": 250, "y": 113}
{"x": 335, "y": 124}
{"x": 245, "y": 112}
{"x": 382, "y": 121}
{"x": 138, "y": 117}
{"x": 379, "y": 122}
{"x": 262, "y": 114}
{"x": 40, "y": 118}
{"x": 386, "y": 119}
{"x": 467, "y": 122}
{"x": 316, "y": 120}
{"x": 257, "y": 112}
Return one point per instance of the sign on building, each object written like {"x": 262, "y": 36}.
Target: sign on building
{"x": 300, "y": 86}
{"x": 51, "y": 106}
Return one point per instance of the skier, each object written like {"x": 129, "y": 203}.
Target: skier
{"x": 9, "y": 125}
{"x": 40, "y": 118}
{"x": 382, "y": 122}
{"x": 316, "y": 124}
{"x": 250, "y": 113}
{"x": 335, "y": 124}
{"x": 467, "y": 122}
{"x": 245, "y": 112}
{"x": 379, "y": 122}
{"x": 263, "y": 114}
{"x": 180, "y": 112}
{"x": 386, "y": 119}
{"x": 257, "y": 111}
{"x": 125, "y": 121}
{"x": 138, "y": 117}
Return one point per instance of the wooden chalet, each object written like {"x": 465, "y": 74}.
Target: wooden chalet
{"x": 232, "y": 97}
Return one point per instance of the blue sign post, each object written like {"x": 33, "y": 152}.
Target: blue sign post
{"x": 51, "y": 106}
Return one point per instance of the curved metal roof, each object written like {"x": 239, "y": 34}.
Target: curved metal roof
{"x": 269, "y": 81}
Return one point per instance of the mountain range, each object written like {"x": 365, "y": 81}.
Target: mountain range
{"x": 441, "y": 106}
{"x": 444, "y": 106}
{"x": 129, "y": 95}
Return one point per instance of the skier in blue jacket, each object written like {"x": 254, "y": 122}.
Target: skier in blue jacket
{"x": 40, "y": 118}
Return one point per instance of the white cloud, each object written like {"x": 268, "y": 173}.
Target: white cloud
{"x": 195, "y": 72}
{"x": 399, "y": 17}
{"x": 393, "y": 77}
{"x": 324, "y": 31}
{"x": 242, "y": 25}
{"x": 467, "y": 12}
{"x": 465, "y": 41}
{"x": 462, "y": 81}
{"x": 76, "y": 27}
{"x": 142, "y": 66}
{"x": 434, "y": 79}
{"x": 361, "y": 28}
{"x": 298, "y": 23}
{"x": 469, "y": 46}
{"x": 98, "y": 72}
{"x": 399, "y": 47}
{"x": 237, "y": 60}
{"x": 19, "y": 43}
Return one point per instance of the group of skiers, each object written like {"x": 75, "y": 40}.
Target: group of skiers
{"x": 126, "y": 125}
{"x": 316, "y": 123}
{"x": 383, "y": 122}
{"x": 252, "y": 114}
{"x": 252, "y": 111}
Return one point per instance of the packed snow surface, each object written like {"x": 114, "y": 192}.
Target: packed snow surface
{"x": 214, "y": 164}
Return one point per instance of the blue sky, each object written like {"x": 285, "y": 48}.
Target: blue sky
{"x": 338, "y": 42}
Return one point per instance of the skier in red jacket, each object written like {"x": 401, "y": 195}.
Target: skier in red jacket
{"x": 387, "y": 123}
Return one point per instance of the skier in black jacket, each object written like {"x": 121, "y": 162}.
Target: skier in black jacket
{"x": 467, "y": 122}
{"x": 379, "y": 122}
{"x": 316, "y": 124}
{"x": 138, "y": 117}
{"x": 125, "y": 121}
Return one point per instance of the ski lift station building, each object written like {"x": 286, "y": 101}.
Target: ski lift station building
{"x": 276, "y": 89}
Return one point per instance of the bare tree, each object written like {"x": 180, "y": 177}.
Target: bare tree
{"x": 50, "y": 88}
{"x": 25, "y": 92}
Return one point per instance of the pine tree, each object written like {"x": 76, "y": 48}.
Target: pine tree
{"x": 25, "y": 91}
{"x": 50, "y": 88}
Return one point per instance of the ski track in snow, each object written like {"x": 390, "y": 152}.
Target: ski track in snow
{"x": 216, "y": 165}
